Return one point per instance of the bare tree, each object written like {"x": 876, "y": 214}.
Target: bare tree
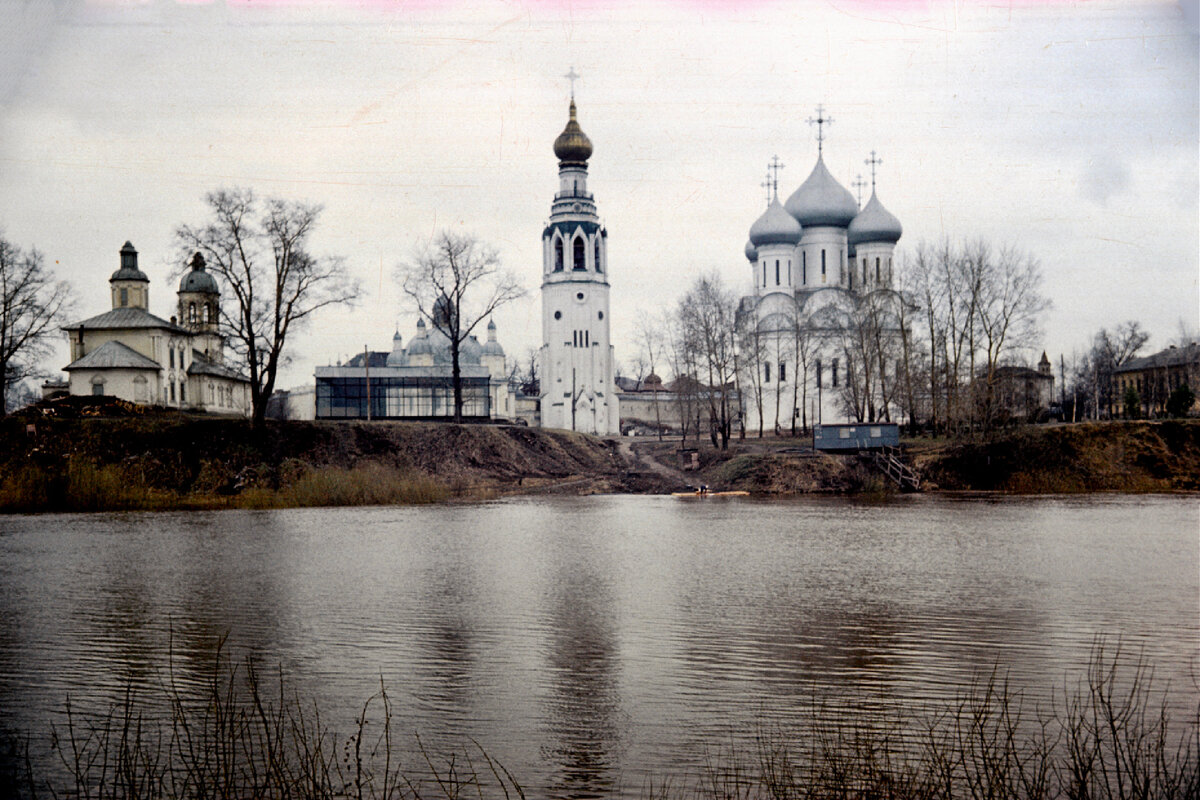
{"x": 261, "y": 251}
{"x": 649, "y": 334}
{"x": 803, "y": 348}
{"x": 457, "y": 282}
{"x": 705, "y": 316}
{"x": 751, "y": 347}
{"x": 32, "y": 305}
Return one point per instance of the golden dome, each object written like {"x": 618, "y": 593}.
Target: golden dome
{"x": 573, "y": 145}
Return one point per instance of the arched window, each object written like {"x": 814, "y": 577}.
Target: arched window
{"x": 597, "y": 256}
{"x": 822, "y": 266}
{"x": 877, "y": 270}
{"x": 124, "y": 297}
{"x": 192, "y": 313}
{"x": 864, "y": 272}
{"x": 777, "y": 272}
{"x": 803, "y": 268}
{"x": 558, "y": 254}
{"x": 835, "y": 373}
{"x": 764, "y": 273}
{"x": 578, "y": 262}
{"x": 818, "y": 373}
{"x": 766, "y": 372}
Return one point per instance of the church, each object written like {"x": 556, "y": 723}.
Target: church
{"x": 816, "y": 261}
{"x": 575, "y": 363}
{"x": 131, "y": 354}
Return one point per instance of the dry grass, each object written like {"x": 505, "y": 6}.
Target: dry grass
{"x": 249, "y": 736}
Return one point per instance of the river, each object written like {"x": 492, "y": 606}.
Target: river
{"x": 591, "y": 643}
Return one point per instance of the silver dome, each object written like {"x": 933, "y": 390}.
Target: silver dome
{"x": 822, "y": 201}
{"x": 775, "y": 226}
{"x": 874, "y": 224}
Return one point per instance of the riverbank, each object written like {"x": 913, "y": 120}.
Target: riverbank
{"x": 181, "y": 461}
{"x": 170, "y": 461}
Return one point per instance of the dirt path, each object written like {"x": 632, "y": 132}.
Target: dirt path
{"x": 640, "y": 458}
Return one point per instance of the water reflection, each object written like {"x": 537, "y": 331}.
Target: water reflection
{"x": 591, "y": 643}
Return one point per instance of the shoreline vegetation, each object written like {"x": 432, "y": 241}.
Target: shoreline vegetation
{"x": 183, "y": 462}
{"x": 241, "y": 732}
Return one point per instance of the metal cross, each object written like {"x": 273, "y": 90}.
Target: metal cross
{"x": 873, "y": 162}
{"x": 767, "y": 185}
{"x": 858, "y": 183}
{"x": 572, "y": 76}
{"x": 820, "y": 121}
{"x": 773, "y": 173}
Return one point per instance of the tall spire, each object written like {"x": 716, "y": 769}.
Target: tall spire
{"x": 873, "y": 162}
{"x": 820, "y": 121}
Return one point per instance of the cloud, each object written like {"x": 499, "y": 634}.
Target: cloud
{"x": 1104, "y": 177}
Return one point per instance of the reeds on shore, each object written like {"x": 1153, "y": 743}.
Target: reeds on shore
{"x": 87, "y": 486}
{"x": 248, "y": 735}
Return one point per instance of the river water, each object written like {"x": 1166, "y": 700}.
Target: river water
{"x": 589, "y": 643}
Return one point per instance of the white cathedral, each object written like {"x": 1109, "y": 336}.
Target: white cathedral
{"x": 578, "y": 387}
{"x": 812, "y": 258}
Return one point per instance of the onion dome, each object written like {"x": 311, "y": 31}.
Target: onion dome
{"x": 822, "y": 201}
{"x": 492, "y": 347}
{"x": 751, "y": 252}
{"x": 572, "y": 145}
{"x": 129, "y": 269}
{"x": 775, "y": 226}
{"x": 196, "y": 279}
{"x": 874, "y": 224}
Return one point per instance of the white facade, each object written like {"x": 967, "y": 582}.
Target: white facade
{"x": 815, "y": 261}
{"x": 578, "y": 389}
{"x": 132, "y": 354}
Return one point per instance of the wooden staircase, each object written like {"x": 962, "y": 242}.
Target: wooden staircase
{"x": 890, "y": 461}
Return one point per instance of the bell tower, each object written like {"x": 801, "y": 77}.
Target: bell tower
{"x": 578, "y": 389}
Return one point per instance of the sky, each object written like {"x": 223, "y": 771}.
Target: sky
{"x": 1070, "y": 130}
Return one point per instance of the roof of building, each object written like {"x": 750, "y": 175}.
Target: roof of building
{"x": 874, "y": 224}
{"x": 129, "y": 270}
{"x": 197, "y": 279}
{"x": 822, "y": 201}
{"x": 751, "y": 251}
{"x": 377, "y": 359}
{"x": 202, "y": 366}
{"x": 775, "y": 226}
{"x": 114, "y": 355}
{"x": 1171, "y": 357}
{"x": 572, "y": 145}
{"x": 125, "y": 318}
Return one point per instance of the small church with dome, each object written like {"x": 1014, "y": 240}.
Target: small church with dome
{"x": 812, "y": 259}
{"x": 134, "y": 355}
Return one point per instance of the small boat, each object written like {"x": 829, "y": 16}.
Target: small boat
{"x": 710, "y": 494}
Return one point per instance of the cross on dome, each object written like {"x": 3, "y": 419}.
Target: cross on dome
{"x": 572, "y": 76}
{"x": 766, "y": 184}
{"x": 873, "y": 162}
{"x": 820, "y": 121}
{"x": 858, "y": 183}
{"x": 773, "y": 168}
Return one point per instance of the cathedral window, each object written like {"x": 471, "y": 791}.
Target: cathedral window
{"x": 124, "y": 297}
{"x": 782, "y": 371}
{"x": 578, "y": 262}
{"x": 192, "y": 313}
{"x": 171, "y": 357}
{"x": 835, "y": 373}
{"x": 172, "y": 395}
{"x": 789, "y": 272}
{"x": 804, "y": 268}
{"x": 183, "y": 392}
{"x": 558, "y": 255}
{"x": 822, "y": 266}
{"x": 597, "y": 256}
{"x": 764, "y": 273}
{"x": 766, "y": 372}
{"x": 818, "y": 373}
{"x": 877, "y": 270}
{"x": 777, "y": 272}
{"x": 864, "y": 265}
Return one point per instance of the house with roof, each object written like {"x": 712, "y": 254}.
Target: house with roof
{"x": 1155, "y": 376}
{"x": 129, "y": 353}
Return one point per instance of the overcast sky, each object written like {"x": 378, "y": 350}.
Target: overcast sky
{"x": 1070, "y": 130}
